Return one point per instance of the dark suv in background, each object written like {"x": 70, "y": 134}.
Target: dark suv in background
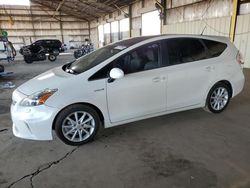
{"x": 50, "y": 45}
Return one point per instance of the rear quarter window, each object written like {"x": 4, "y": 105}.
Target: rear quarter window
{"x": 215, "y": 48}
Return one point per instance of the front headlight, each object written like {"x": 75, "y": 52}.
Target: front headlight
{"x": 38, "y": 98}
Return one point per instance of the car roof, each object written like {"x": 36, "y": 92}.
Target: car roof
{"x": 145, "y": 39}
{"x": 48, "y": 39}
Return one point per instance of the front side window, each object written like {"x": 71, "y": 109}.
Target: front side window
{"x": 141, "y": 59}
{"x": 184, "y": 50}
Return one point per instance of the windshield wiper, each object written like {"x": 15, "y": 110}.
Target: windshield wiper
{"x": 69, "y": 70}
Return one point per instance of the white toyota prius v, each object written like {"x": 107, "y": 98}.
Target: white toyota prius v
{"x": 127, "y": 81}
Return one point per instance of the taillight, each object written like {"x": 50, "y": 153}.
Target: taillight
{"x": 239, "y": 58}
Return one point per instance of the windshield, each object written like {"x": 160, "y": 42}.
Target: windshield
{"x": 88, "y": 61}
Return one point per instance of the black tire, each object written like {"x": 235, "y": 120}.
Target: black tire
{"x": 62, "y": 118}
{"x": 28, "y": 60}
{"x": 52, "y": 57}
{"x": 224, "y": 101}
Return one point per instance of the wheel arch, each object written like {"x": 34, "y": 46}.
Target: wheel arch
{"x": 82, "y": 103}
{"x": 228, "y": 84}
{"x": 208, "y": 107}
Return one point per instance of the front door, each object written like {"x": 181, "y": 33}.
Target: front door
{"x": 142, "y": 91}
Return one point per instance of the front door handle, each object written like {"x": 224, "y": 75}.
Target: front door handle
{"x": 156, "y": 79}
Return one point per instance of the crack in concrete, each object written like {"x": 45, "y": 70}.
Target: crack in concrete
{"x": 2, "y": 130}
{"x": 42, "y": 168}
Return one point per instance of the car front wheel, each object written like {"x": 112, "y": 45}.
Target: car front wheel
{"x": 218, "y": 98}
{"x": 28, "y": 60}
{"x": 77, "y": 124}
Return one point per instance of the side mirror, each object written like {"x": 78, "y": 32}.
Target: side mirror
{"x": 115, "y": 73}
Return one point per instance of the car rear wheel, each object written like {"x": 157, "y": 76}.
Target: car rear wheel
{"x": 77, "y": 124}
{"x": 218, "y": 98}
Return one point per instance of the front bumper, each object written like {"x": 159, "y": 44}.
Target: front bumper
{"x": 33, "y": 123}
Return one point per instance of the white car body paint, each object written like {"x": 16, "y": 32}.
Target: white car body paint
{"x": 134, "y": 97}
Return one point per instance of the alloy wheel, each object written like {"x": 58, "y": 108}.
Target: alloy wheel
{"x": 78, "y": 126}
{"x": 219, "y": 98}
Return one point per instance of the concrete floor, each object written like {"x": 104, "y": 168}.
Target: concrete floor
{"x": 192, "y": 149}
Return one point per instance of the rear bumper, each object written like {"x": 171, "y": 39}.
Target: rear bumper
{"x": 238, "y": 82}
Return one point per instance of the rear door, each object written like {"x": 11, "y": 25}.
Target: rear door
{"x": 189, "y": 72}
{"x": 57, "y": 44}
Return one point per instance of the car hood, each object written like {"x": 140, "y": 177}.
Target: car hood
{"x": 51, "y": 79}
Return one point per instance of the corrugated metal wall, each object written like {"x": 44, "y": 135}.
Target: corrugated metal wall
{"x": 199, "y": 10}
{"x": 215, "y": 26}
{"x": 36, "y": 22}
{"x": 94, "y": 33}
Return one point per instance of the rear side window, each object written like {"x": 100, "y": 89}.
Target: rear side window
{"x": 215, "y": 48}
{"x": 56, "y": 41}
{"x": 184, "y": 50}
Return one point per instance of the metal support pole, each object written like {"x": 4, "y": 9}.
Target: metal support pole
{"x": 130, "y": 19}
{"x": 61, "y": 27}
{"x": 32, "y": 23}
{"x": 234, "y": 19}
{"x": 165, "y": 12}
{"x": 119, "y": 31}
{"x": 110, "y": 33}
{"x": 142, "y": 3}
{"x": 89, "y": 29}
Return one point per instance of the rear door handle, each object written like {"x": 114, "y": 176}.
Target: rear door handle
{"x": 209, "y": 68}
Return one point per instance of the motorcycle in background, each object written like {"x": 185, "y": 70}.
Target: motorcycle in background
{"x": 84, "y": 49}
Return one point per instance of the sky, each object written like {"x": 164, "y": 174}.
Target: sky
{"x": 15, "y": 2}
